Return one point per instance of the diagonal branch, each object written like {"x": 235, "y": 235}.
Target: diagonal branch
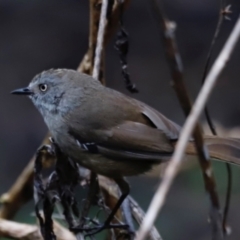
{"x": 188, "y": 127}
{"x": 20, "y": 231}
{"x": 21, "y": 191}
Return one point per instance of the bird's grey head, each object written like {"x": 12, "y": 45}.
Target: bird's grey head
{"x": 50, "y": 89}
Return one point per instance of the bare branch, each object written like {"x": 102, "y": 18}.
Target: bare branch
{"x": 206, "y": 67}
{"x": 100, "y": 39}
{"x": 21, "y": 191}
{"x": 87, "y": 64}
{"x": 171, "y": 171}
{"x": 22, "y": 231}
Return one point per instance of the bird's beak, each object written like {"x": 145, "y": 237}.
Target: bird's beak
{"x": 22, "y": 91}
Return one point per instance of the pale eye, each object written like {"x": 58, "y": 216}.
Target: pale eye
{"x": 43, "y": 87}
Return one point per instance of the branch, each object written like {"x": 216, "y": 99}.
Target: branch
{"x": 198, "y": 107}
{"x": 22, "y": 231}
{"x": 86, "y": 65}
{"x": 223, "y": 13}
{"x": 21, "y": 191}
{"x": 100, "y": 39}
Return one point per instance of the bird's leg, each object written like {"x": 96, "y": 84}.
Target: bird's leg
{"x": 124, "y": 187}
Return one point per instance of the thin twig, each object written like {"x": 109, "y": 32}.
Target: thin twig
{"x": 87, "y": 64}
{"x": 122, "y": 46}
{"x": 221, "y": 17}
{"x": 100, "y": 38}
{"x": 226, "y": 228}
{"x": 215, "y": 36}
{"x": 224, "y": 11}
{"x": 171, "y": 171}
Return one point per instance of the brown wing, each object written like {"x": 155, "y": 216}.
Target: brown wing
{"x": 170, "y": 128}
{"x": 136, "y": 136}
{"x": 130, "y": 140}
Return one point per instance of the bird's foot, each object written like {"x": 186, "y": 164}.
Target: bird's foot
{"x": 90, "y": 231}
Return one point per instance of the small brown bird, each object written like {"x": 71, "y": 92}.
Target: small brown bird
{"x": 108, "y": 132}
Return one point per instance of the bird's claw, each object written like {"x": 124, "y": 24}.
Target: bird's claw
{"x": 90, "y": 231}
{"x": 101, "y": 227}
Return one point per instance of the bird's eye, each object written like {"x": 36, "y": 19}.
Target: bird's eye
{"x": 43, "y": 87}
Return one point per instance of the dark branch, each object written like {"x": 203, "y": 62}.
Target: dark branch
{"x": 175, "y": 64}
{"x": 121, "y": 46}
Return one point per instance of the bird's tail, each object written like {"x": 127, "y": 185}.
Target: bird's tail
{"x": 222, "y": 149}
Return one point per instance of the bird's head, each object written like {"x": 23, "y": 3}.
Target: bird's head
{"x": 47, "y": 89}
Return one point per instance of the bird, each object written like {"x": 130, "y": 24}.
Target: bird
{"x": 108, "y": 132}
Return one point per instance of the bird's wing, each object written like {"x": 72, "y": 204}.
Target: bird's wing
{"x": 159, "y": 121}
{"x": 130, "y": 140}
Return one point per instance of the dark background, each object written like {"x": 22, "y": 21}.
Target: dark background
{"x": 38, "y": 35}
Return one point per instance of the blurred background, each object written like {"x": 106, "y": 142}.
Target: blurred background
{"x": 38, "y": 35}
